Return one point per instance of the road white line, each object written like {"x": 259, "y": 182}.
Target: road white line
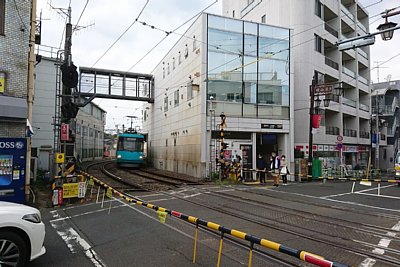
{"x": 151, "y": 195}
{"x": 333, "y": 200}
{"x": 375, "y": 195}
{"x": 72, "y": 239}
{"x": 159, "y": 200}
{"x": 58, "y": 218}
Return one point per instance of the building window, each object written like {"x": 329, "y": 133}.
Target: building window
{"x": 179, "y": 58}
{"x": 194, "y": 43}
{"x": 163, "y": 72}
{"x": 318, "y": 8}
{"x": 166, "y": 103}
{"x": 168, "y": 70}
{"x": 319, "y": 44}
{"x": 2, "y": 16}
{"x": 233, "y": 13}
{"x": 174, "y": 141}
{"x": 263, "y": 19}
{"x": 189, "y": 91}
{"x": 186, "y": 51}
{"x": 173, "y": 63}
{"x": 176, "y": 98}
{"x": 319, "y": 76}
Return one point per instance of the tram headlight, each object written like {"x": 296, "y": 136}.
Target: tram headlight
{"x": 119, "y": 156}
{"x": 140, "y": 157}
{"x": 397, "y": 173}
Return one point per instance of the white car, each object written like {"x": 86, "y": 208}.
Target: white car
{"x": 21, "y": 234}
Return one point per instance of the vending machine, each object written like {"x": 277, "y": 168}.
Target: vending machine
{"x": 12, "y": 169}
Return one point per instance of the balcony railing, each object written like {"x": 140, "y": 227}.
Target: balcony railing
{"x": 350, "y": 132}
{"x": 349, "y": 102}
{"x": 331, "y": 63}
{"x": 348, "y": 72}
{"x": 331, "y": 130}
{"x": 362, "y": 53}
{"x": 364, "y": 134}
{"x": 347, "y": 12}
{"x": 331, "y": 30}
{"x": 362, "y": 27}
{"x": 364, "y": 107}
{"x": 363, "y": 80}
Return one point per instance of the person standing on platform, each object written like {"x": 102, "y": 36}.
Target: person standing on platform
{"x": 261, "y": 167}
{"x": 274, "y": 166}
{"x": 284, "y": 170}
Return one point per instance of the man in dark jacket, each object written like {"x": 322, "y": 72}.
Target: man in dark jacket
{"x": 261, "y": 166}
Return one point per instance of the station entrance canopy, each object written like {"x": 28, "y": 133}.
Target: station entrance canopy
{"x": 100, "y": 83}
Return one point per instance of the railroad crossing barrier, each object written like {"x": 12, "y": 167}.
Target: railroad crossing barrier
{"x": 300, "y": 254}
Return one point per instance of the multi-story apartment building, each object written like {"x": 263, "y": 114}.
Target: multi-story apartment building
{"x": 221, "y": 67}
{"x": 14, "y": 49}
{"x": 385, "y": 111}
{"x": 317, "y": 25}
{"x": 88, "y": 125}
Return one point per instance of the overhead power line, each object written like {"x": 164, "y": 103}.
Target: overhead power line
{"x": 127, "y": 29}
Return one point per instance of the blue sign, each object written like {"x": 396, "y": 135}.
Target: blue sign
{"x": 12, "y": 169}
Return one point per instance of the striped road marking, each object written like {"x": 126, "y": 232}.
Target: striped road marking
{"x": 380, "y": 249}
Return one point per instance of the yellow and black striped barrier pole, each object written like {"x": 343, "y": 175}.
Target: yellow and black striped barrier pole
{"x": 300, "y": 254}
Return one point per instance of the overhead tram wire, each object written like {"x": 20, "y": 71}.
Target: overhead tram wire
{"x": 177, "y": 28}
{"x": 184, "y": 83}
{"x": 130, "y": 26}
{"x": 265, "y": 57}
{"x": 79, "y": 19}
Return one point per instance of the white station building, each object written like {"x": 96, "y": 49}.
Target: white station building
{"x": 222, "y": 65}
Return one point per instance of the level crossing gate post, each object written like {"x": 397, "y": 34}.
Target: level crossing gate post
{"x": 195, "y": 241}
{"x": 251, "y": 254}
{"x": 220, "y": 249}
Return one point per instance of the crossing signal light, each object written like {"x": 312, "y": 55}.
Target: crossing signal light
{"x": 69, "y": 110}
{"x": 69, "y": 75}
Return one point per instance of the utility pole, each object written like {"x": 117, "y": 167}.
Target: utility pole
{"x": 377, "y": 68}
{"x": 31, "y": 93}
{"x": 377, "y": 131}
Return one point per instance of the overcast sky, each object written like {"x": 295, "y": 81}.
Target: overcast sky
{"x": 104, "y": 21}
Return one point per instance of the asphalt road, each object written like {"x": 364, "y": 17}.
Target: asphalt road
{"x": 89, "y": 234}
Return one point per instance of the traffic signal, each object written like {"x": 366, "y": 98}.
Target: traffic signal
{"x": 69, "y": 110}
{"x": 69, "y": 75}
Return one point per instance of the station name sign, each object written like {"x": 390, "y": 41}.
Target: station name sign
{"x": 322, "y": 89}
{"x": 271, "y": 126}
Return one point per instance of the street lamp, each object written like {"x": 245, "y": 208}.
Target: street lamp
{"x": 317, "y": 90}
{"x": 387, "y": 30}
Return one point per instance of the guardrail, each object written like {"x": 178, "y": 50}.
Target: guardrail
{"x": 300, "y": 254}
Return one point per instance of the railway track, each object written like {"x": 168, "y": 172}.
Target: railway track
{"x": 342, "y": 238}
{"x": 330, "y": 231}
{"x": 127, "y": 186}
